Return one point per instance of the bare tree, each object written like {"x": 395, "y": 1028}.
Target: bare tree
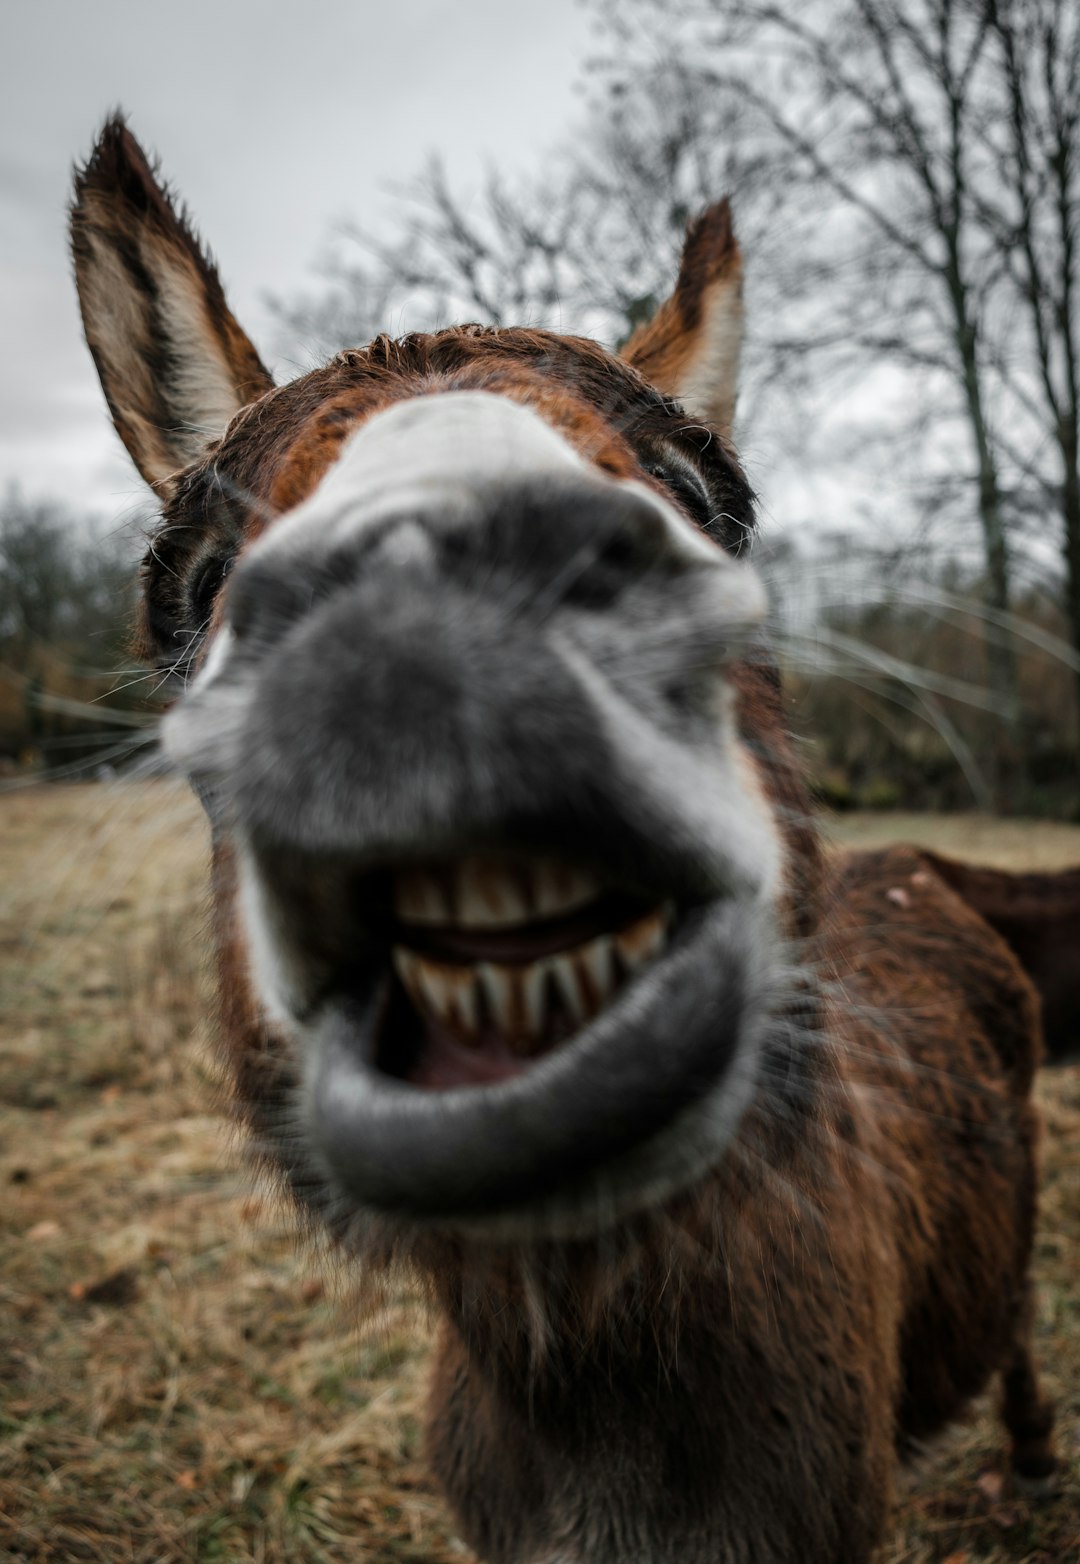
{"x": 935, "y": 143}
{"x": 62, "y": 583}
{"x": 38, "y": 575}
{"x": 904, "y": 176}
{"x": 591, "y": 244}
{"x": 66, "y": 605}
{"x": 1033, "y": 212}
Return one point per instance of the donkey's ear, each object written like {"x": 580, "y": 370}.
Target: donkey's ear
{"x": 174, "y": 364}
{"x": 690, "y": 348}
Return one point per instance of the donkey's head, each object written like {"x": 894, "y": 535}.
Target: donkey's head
{"x": 502, "y": 804}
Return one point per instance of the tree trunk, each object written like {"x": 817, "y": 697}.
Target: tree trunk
{"x": 1070, "y": 516}
{"x": 1005, "y": 757}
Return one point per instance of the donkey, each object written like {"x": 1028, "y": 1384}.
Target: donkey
{"x": 716, "y": 1153}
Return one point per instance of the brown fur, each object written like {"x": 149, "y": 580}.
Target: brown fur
{"x": 858, "y": 1285}
{"x": 693, "y": 339}
{"x": 735, "y": 1369}
{"x": 1038, "y": 917}
{"x": 126, "y": 236}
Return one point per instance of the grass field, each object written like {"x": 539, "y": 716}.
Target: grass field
{"x": 178, "y": 1380}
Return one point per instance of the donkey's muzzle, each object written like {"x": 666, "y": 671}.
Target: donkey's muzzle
{"x": 495, "y": 838}
{"x": 539, "y": 664}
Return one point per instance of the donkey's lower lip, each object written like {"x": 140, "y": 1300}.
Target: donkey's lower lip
{"x": 637, "y": 1101}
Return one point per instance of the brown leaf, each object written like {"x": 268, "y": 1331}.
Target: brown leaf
{"x": 188, "y": 1479}
{"x": 990, "y": 1485}
{"x": 41, "y": 1231}
{"x": 119, "y": 1288}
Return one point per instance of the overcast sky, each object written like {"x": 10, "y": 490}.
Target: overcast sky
{"x": 274, "y": 120}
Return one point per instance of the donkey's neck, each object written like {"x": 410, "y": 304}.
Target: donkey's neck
{"x": 568, "y": 1425}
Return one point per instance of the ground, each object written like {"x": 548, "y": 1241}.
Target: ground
{"x": 179, "y": 1380}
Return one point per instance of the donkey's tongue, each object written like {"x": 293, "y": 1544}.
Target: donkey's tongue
{"x": 444, "y": 1060}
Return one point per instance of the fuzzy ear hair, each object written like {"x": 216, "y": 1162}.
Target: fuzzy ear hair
{"x": 173, "y": 363}
{"x": 690, "y": 348}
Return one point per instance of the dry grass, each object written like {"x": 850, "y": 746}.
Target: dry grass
{"x": 176, "y": 1381}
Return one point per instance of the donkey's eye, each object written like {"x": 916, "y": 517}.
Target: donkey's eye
{"x": 205, "y": 584}
{"x": 684, "y": 484}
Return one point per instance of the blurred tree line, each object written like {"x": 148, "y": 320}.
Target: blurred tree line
{"x": 66, "y": 601}
{"x": 905, "y": 176}
{"x": 906, "y": 181}
{"x": 887, "y": 666}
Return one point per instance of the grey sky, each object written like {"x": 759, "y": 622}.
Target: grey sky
{"x": 273, "y": 119}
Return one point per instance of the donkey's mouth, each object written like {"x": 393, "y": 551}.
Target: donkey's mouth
{"x": 510, "y": 1039}
{"x": 514, "y": 1044}
{"x": 499, "y": 963}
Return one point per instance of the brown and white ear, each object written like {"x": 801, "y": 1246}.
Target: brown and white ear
{"x": 174, "y": 364}
{"x": 690, "y": 348}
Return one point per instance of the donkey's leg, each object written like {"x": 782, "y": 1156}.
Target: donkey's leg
{"x": 1028, "y": 1413}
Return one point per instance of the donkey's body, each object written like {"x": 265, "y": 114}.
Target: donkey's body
{"x": 718, "y": 1157}
{"x": 850, "y": 1278}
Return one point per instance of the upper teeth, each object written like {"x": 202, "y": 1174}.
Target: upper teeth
{"x": 519, "y": 1000}
{"x": 478, "y": 893}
